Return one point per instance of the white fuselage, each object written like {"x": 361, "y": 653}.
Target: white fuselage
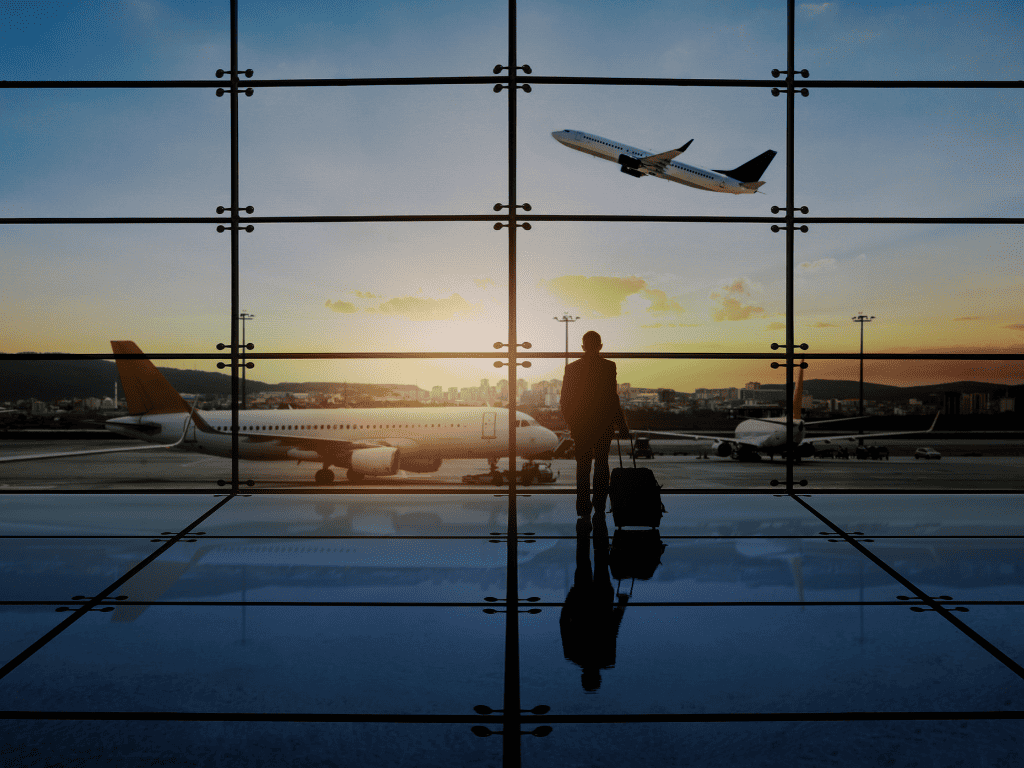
{"x": 418, "y": 433}
{"x": 682, "y": 173}
{"x": 768, "y": 434}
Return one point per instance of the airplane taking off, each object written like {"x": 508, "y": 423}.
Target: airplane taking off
{"x": 756, "y": 436}
{"x": 365, "y": 441}
{"x": 744, "y": 180}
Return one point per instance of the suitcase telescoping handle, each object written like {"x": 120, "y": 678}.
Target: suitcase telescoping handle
{"x": 632, "y": 452}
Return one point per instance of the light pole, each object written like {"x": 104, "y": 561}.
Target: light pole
{"x": 566, "y": 318}
{"x": 243, "y": 317}
{"x": 862, "y": 318}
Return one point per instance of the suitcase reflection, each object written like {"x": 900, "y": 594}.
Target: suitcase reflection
{"x": 594, "y": 608}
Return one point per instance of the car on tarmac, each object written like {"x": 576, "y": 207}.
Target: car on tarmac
{"x": 642, "y": 448}
{"x": 927, "y": 453}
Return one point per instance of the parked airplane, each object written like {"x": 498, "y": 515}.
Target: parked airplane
{"x": 365, "y": 441}
{"x": 754, "y": 437}
{"x": 743, "y": 180}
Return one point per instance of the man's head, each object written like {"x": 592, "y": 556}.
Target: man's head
{"x": 592, "y": 342}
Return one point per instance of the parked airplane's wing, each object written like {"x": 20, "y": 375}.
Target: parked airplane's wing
{"x": 672, "y": 435}
{"x": 658, "y": 162}
{"x": 831, "y": 438}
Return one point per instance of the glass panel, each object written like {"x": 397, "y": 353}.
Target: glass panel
{"x": 376, "y": 288}
{"x": 316, "y": 660}
{"x": 761, "y": 745}
{"x": 602, "y": 40}
{"x": 931, "y": 515}
{"x": 373, "y": 151}
{"x": 177, "y": 298}
{"x": 99, "y": 515}
{"x": 771, "y": 659}
{"x": 951, "y": 39}
{"x": 102, "y": 41}
{"x": 940, "y": 153}
{"x": 644, "y": 291}
{"x": 923, "y": 289}
{"x": 464, "y": 38}
{"x": 94, "y": 425}
{"x": 115, "y": 152}
{"x": 176, "y": 743}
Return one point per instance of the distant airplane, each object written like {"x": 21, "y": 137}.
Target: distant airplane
{"x": 366, "y": 441}
{"x": 756, "y": 436}
{"x": 743, "y": 180}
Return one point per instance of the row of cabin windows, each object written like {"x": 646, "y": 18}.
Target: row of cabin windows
{"x": 674, "y": 165}
{"x": 519, "y": 423}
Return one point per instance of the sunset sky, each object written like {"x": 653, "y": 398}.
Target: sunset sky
{"x": 443, "y": 149}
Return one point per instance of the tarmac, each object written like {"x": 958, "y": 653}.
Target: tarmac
{"x": 973, "y": 466}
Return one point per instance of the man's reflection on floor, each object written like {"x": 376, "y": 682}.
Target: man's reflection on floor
{"x": 592, "y": 612}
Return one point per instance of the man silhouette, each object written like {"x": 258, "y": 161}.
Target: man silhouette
{"x": 590, "y": 405}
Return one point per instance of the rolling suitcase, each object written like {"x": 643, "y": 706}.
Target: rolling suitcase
{"x": 635, "y": 495}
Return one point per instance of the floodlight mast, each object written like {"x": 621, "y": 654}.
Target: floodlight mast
{"x": 862, "y": 318}
{"x": 566, "y": 318}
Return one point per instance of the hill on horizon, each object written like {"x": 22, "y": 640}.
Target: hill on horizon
{"x": 58, "y": 379}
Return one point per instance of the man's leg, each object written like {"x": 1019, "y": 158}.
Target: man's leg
{"x": 584, "y": 458}
{"x": 602, "y": 472}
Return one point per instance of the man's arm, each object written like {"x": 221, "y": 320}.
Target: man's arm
{"x": 619, "y": 418}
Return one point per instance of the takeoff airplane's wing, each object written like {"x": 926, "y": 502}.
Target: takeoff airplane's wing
{"x": 658, "y": 162}
{"x": 830, "y": 438}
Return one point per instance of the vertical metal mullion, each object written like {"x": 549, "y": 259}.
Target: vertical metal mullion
{"x": 790, "y": 225}
{"x": 511, "y": 739}
{"x": 235, "y": 226}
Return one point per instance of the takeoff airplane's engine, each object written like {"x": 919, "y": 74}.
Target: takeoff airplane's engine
{"x": 722, "y": 449}
{"x": 422, "y": 464}
{"x": 375, "y": 461}
{"x": 629, "y": 165}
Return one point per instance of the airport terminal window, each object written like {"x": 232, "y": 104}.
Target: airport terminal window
{"x": 460, "y": 597}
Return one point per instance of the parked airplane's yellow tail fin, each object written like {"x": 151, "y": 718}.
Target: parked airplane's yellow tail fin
{"x": 145, "y": 388}
{"x": 798, "y": 393}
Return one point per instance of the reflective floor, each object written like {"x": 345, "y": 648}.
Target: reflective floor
{"x": 364, "y": 629}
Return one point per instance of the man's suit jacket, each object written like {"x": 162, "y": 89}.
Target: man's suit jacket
{"x": 590, "y": 399}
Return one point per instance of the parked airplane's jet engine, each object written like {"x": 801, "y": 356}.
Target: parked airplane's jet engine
{"x": 721, "y": 448}
{"x": 422, "y": 464}
{"x": 629, "y": 165}
{"x": 375, "y": 461}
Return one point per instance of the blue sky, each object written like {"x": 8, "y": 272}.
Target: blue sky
{"x": 438, "y": 149}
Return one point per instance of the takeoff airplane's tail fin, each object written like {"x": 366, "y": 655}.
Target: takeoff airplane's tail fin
{"x": 145, "y": 388}
{"x": 752, "y": 169}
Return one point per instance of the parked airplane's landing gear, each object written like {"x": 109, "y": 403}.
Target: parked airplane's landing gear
{"x": 355, "y": 477}
{"x": 323, "y": 477}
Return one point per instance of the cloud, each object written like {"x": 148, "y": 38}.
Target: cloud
{"x": 672, "y": 325}
{"x": 366, "y": 295}
{"x": 604, "y": 296}
{"x": 776, "y": 326}
{"x": 731, "y": 308}
{"x": 1015, "y": 326}
{"x": 825, "y": 325}
{"x": 416, "y": 308}
{"x": 483, "y": 282}
{"x": 345, "y": 307}
{"x": 821, "y": 265}
{"x": 660, "y": 302}
{"x": 813, "y": 9}
{"x": 962, "y": 319}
